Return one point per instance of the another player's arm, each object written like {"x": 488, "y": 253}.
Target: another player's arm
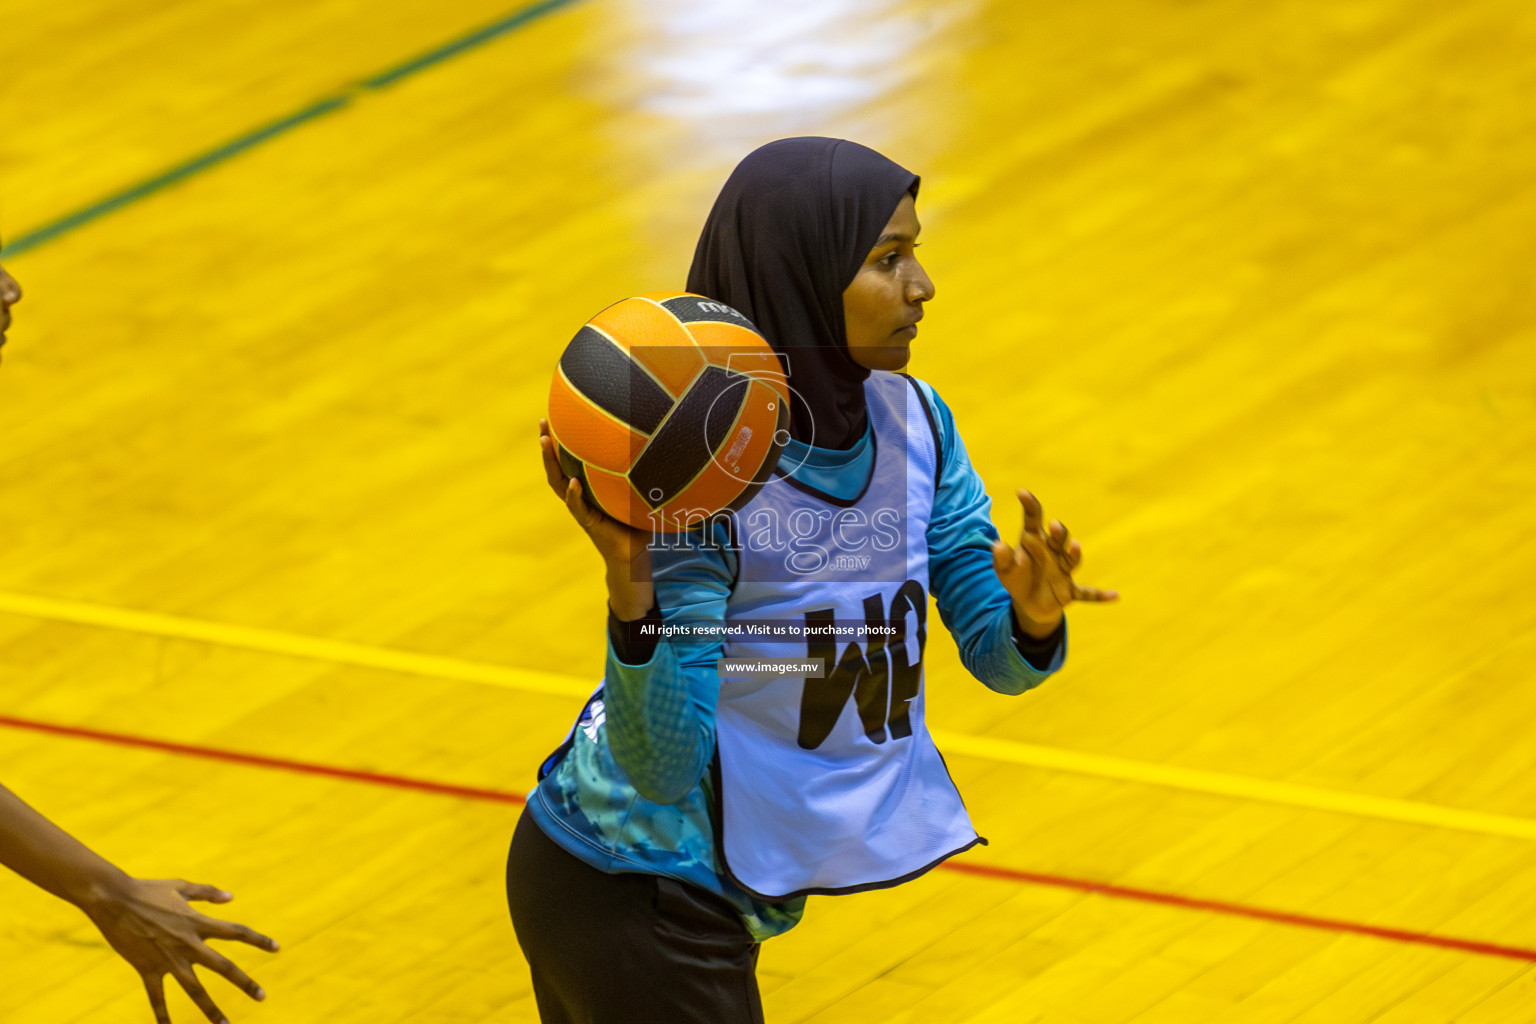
{"x": 147, "y": 921}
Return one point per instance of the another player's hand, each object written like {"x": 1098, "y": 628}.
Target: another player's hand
{"x": 1038, "y": 573}
{"x": 625, "y": 550}
{"x": 151, "y": 925}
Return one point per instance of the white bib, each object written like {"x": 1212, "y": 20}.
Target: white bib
{"x": 834, "y": 784}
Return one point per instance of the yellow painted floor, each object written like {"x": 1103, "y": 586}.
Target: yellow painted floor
{"x": 1243, "y": 291}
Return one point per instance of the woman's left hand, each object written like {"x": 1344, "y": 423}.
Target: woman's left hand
{"x": 1038, "y": 573}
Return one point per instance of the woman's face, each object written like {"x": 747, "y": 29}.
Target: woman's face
{"x": 882, "y": 306}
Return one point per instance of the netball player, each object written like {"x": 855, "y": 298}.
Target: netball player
{"x": 687, "y": 817}
{"x": 148, "y": 921}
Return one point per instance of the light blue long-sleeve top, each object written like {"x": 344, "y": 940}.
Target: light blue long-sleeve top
{"x": 631, "y": 790}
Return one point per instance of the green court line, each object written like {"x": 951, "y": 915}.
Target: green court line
{"x": 251, "y": 139}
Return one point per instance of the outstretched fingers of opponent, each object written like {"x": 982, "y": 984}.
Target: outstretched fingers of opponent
{"x": 225, "y": 968}
{"x": 201, "y": 953}
{"x": 154, "y": 987}
{"x": 218, "y": 928}
{"x": 203, "y": 893}
{"x": 194, "y": 988}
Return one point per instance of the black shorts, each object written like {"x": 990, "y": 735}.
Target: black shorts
{"x": 629, "y": 948}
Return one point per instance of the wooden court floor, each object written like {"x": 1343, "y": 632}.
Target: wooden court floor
{"x": 1244, "y": 291}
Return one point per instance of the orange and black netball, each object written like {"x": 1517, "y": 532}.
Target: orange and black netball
{"x": 669, "y": 408}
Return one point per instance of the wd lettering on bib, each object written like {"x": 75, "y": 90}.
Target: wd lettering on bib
{"x": 883, "y": 677}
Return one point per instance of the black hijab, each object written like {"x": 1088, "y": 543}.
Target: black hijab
{"x": 788, "y": 233}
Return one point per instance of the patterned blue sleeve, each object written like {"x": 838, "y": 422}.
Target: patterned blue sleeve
{"x": 661, "y": 714}
{"x": 971, "y": 599}
{"x": 630, "y": 789}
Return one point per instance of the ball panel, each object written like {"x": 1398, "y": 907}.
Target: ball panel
{"x": 769, "y": 464}
{"x": 571, "y": 466}
{"x": 599, "y": 369}
{"x": 611, "y": 493}
{"x": 588, "y": 433}
{"x": 718, "y": 490}
{"x": 764, "y": 472}
{"x": 762, "y": 415}
{"x": 763, "y": 366}
{"x": 690, "y": 308}
{"x": 707, "y": 494}
{"x": 662, "y": 402}
{"x": 679, "y": 451}
{"x": 725, "y": 410}
{"x": 653, "y": 338}
{"x": 673, "y": 366}
{"x": 729, "y": 345}
{"x": 766, "y": 369}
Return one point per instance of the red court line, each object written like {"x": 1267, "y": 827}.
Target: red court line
{"x": 1239, "y": 910}
{"x": 980, "y": 870}
{"x": 258, "y": 761}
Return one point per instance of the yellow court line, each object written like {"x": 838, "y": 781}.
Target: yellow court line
{"x": 1008, "y": 751}
{"x": 293, "y": 645}
{"x": 1242, "y": 786}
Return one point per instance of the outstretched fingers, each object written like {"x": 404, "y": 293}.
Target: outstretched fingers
{"x": 1040, "y": 542}
{"x": 194, "y": 988}
{"x": 231, "y": 972}
{"x": 1082, "y": 593}
{"x": 214, "y": 928}
{"x": 1053, "y": 548}
{"x": 1034, "y": 515}
{"x": 1032, "y": 551}
{"x": 207, "y": 893}
{"x": 1058, "y": 537}
{"x": 154, "y": 987}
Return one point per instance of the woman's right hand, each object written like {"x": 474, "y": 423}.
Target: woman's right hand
{"x": 625, "y": 549}
{"x": 151, "y": 924}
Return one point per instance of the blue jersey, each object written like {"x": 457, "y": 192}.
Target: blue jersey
{"x": 630, "y": 790}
